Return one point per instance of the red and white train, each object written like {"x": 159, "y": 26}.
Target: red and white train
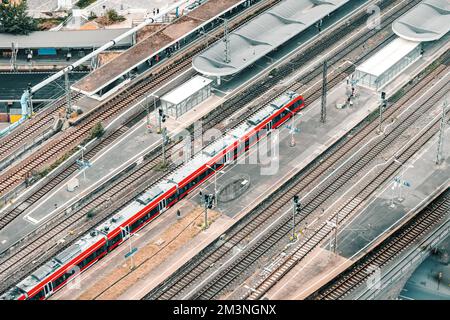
{"x": 93, "y": 246}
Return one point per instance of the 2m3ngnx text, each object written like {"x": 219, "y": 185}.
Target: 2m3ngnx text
{"x": 226, "y": 309}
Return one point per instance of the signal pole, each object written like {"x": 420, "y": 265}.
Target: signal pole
{"x": 382, "y": 105}
{"x": 208, "y": 200}
{"x": 439, "y": 155}
{"x": 13, "y": 57}
{"x": 69, "y": 102}
{"x": 226, "y": 40}
{"x": 164, "y": 140}
{"x": 296, "y": 207}
{"x": 335, "y": 233}
{"x": 323, "y": 112}
{"x": 163, "y": 131}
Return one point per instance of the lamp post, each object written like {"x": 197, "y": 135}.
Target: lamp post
{"x": 215, "y": 182}
{"x": 402, "y": 182}
{"x": 83, "y": 164}
{"x": 293, "y": 128}
{"x": 131, "y": 251}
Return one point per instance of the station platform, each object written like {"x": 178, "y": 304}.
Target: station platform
{"x": 166, "y": 36}
{"x": 388, "y": 209}
{"x": 311, "y": 140}
{"x": 364, "y": 106}
{"x": 127, "y": 150}
{"x": 367, "y": 227}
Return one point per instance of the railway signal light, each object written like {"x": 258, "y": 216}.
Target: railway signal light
{"x": 297, "y": 204}
{"x": 211, "y": 198}
{"x": 162, "y": 115}
{"x": 208, "y": 200}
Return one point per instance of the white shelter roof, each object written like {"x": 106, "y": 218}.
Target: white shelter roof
{"x": 65, "y": 39}
{"x": 428, "y": 21}
{"x": 388, "y": 56}
{"x": 262, "y": 35}
{"x": 186, "y": 90}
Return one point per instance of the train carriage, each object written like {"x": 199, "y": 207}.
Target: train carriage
{"x": 152, "y": 202}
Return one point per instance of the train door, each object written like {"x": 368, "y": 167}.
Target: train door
{"x": 125, "y": 232}
{"x": 48, "y": 289}
{"x": 269, "y": 126}
{"x": 162, "y": 205}
{"x": 228, "y": 157}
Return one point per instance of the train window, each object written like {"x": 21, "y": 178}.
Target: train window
{"x": 90, "y": 258}
{"x": 277, "y": 118}
{"x": 183, "y": 190}
{"x": 114, "y": 240}
{"x": 171, "y": 198}
{"x": 60, "y": 280}
{"x": 99, "y": 251}
{"x": 38, "y": 295}
{"x": 136, "y": 224}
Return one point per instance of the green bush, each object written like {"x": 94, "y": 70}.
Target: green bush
{"x": 97, "y": 131}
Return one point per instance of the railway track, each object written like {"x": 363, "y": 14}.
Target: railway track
{"x": 95, "y": 203}
{"x": 98, "y": 201}
{"x": 226, "y": 111}
{"x": 12, "y": 214}
{"x": 33, "y": 127}
{"x": 74, "y": 135}
{"x": 388, "y": 250}
{"x": 313, "y": 202}
{"x": 194, "y": 270}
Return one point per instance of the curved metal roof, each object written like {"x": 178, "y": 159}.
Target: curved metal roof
{"x": 262, "y": 35}
{"x": 428, "y": 21}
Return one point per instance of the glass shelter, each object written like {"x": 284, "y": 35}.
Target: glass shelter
{"x": 388, "y": 63}
{"x": 185, "y": 97}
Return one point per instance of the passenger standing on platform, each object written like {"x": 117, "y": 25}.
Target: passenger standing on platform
{"x": 157, "y": 10}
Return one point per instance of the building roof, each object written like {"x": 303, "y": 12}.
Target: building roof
{"x": 388, "y": 56}
{"x": 64, "y": 39}
{"x": 428, "y": 21}
{"x": 262, "y": 35}
{"x": 153, "y": 44}
{"x": 186, "y": 90}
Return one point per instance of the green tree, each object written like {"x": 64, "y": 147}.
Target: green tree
{"x": 14, "y": 18}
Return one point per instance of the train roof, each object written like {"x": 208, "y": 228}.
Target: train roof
{"x": 61, "y": 259}
{"x": 276, "y": 104}
{"x": 146, "y": 197}
{"x": 122, "y": 215}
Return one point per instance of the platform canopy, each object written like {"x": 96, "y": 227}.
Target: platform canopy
{"x": 262, "y": 35}
{"x": 387, "y": 57}
{"x": 186, "y": 90}
{"x": 428, "y": 21}
{"x": 387, "y": 63}
{"x": 64, "y": 39}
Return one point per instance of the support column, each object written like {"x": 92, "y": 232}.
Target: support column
{"x": 323, "y": 112}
